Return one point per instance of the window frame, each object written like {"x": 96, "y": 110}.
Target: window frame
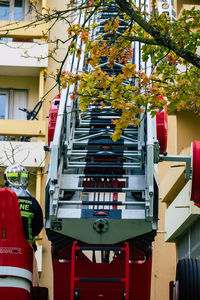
{"x": 10, "y": 105}
{"x": 25, "y": 10}
{"x": 6, "y": 92}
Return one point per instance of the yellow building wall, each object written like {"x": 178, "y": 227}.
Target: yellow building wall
{"x": 183, "y": 129}
{"x": 164, "y": 254}
{"x": 188, "y": 130}
{"x": 59, "y": 31}
{"x": 178, "y": 4}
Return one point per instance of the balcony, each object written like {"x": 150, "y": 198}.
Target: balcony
{"x": 25, "y": 54}
{"x": 22, "y": 59}
{"x": 26, "y": 128}
{"x": 22, "y": 29}
{"x": 180, "y": 214}
{"x": 31, "y": 154}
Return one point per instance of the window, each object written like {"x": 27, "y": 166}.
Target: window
{"x": 14, "y": 10}
{"x": 10, "y": 102}
{"x": 3, "y": 105}
{"x": 4, "y": 10}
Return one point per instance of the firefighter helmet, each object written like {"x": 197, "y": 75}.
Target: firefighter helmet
{"x": 16, "y": 176}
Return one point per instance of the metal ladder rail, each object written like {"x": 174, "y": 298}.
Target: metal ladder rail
{"x": 63, "y": 129}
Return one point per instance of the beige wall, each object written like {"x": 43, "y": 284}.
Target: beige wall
{"x": 178, "y": 4}
{"x": 188, "y": 129}
{"x": 59, "y": 31}
{"x": 183, "y": 128}
{"x": 164, "y": 254}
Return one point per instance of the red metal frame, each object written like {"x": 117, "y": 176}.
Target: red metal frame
{"x": 115, "y": 194}
{"x": 127, "y": 273}
{"x": 72, "y": 279}
{"x": 195, "y": 194}
{"x": 53, "y": 117}
{"x": 161, "y": 124}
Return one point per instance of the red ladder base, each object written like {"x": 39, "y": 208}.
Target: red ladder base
{"x": 126, "y": 277}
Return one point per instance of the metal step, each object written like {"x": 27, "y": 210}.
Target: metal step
{"x": 87, "y": 130}
{"x": 108, "y": 153}
{"x": 105, "y": 141}
{"x": 99, "y": 165}
{"x": 102, "y": 203}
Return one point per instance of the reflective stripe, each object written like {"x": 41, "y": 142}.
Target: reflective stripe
{"x": 29, "y": 216}
{"x": 26, "y": 214}
{"x": 14, "y": 282}
{"x": 12, "y": 174}
{"x": 14, "y": 271}
{"x": 25, "y": 175}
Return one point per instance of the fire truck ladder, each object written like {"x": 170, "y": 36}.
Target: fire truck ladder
{"x": 100, "y": 193}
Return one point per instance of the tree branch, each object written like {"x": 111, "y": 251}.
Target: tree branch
{"x": 140, "y": 39}
{"x": 160, "y": 38}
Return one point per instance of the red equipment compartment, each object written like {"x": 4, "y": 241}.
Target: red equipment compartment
{"x": 161, "y": 125}
{"x": 53, "y": 117}
{"x": 16, "y": 253}
{"x": 195, "y": 194}
{"x": 127, "y": 276}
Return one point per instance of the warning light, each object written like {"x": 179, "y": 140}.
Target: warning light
{"x": 106, "y": 148}
{"x": 139, "y": 261}
{"x": 3, "y": 234}
{"x": 101, "y": 213}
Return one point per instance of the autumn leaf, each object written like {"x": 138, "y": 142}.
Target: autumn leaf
{"x": 84, "y": 36}
{"x": 129, "y": 70}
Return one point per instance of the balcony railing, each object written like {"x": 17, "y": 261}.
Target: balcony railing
{"x": 22, "y": 29}
{"x": 30, "y": 153}
{"x": 26, "y": 128}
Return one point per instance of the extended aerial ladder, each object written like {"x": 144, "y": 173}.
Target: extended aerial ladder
{"x": 101, "y": 198}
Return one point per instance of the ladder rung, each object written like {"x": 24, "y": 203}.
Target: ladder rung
{"x": 93, "y": 176}
{"x": 98, "y": 130}
{"x": 107, "y": 154}
{"x": 108, "y": 203}
{"x": 100, "y": 165}
{"x": 103, "y": 189}
{"x": 92, "y": 279}
{"x": 88, "y": 141}
{"x": 99, "y": 248}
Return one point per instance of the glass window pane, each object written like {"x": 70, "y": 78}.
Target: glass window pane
{"x": 4, "y": 10}
{"x": 18, "y": 14}
{"x": 3, "y": 106}
{"x": 20, "y": 100}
